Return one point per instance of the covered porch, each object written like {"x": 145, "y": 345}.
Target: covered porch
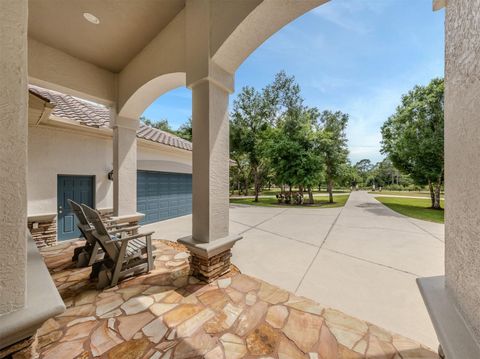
{"x": 124, "y": 55}
{"x": 171, "y": 314}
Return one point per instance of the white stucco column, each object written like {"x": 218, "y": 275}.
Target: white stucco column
{"x": 210, "y": 161}
{"x": 13, "y": 154}
{"x": 210, "y": 243}
{"x": 28, "y": 296}
{"x": 125, "y": 167}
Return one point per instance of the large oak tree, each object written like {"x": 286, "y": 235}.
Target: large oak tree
{"x": 248, "y": 126}
{"x": 333, "y": 145}
{"x": 413, "y": 137}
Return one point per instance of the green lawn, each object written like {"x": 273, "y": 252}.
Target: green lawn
{"x": 414, "y": 207}
{"x": 320, "y": 202}
{"x": 404, "y": 193}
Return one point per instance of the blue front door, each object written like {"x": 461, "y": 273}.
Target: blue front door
{"x": 163, "y": 195}
{"x": 79, "y": 189}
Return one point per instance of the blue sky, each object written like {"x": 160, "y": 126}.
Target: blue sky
{"x": 357, "y": 56}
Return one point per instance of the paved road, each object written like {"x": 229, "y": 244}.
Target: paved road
{"x": 362, "y": 259}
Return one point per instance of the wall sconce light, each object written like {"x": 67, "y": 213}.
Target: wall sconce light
{"x": 110, "y": 175}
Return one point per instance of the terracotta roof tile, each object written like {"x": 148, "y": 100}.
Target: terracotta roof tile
{"x": 95, "y": 115}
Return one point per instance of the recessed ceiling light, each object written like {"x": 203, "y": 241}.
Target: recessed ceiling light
{"x": 91, "y": 18}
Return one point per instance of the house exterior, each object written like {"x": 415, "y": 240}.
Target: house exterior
{"x": 70, "y": 156}
{"x": 125, "y": 54}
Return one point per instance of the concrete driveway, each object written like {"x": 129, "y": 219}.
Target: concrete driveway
{"x": 362, "y": 259}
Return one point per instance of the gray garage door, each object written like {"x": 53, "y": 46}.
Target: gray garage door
{"x": 163, "y": 195}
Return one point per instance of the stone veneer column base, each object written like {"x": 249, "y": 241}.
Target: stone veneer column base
{"x": 209, "y": 269}
{"x": 210, "y": 261}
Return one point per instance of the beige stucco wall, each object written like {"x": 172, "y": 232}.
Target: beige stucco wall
{"x": 53, "y": 151}
{"x": 13, "y": 161}
{"x": 462, "y": 148}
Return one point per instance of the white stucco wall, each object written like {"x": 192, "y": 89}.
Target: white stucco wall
{"x": 13, "y": 169}
{"x": 53, "y": 151}
{"x": 153, "y": 158}
{"x": 52, "y": 68}
{"x": 462, "y": 147}
{"x": 56, "y": 151}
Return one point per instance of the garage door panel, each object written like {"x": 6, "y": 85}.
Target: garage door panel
{"x": 163, "y": 195}
{"x": 152, "y": 206}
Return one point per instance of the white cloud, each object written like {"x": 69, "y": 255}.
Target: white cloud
{"x": 326, "y": 83}
{"x": 368, "y": 112}
{"x": 359, "y": 153}
{"x": 372, "y": 107}
{"x": 348, "y": 14}
{"x": 289, "y": 42}
{"x": 341, "y": 14}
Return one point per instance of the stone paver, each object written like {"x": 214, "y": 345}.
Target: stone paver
{"x": 199, "y": 320}
{"x": 363, "y": 258}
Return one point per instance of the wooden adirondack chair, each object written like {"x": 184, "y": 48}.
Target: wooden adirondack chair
{"x": 125, "y": 256}
{"x": 87, "y": 255}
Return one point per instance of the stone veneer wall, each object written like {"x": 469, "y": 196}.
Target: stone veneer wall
{"x": 462, "y": 164}
{"x": 46, "y": 232}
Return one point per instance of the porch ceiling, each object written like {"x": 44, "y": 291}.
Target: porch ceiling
{"x": 114, "y": 41}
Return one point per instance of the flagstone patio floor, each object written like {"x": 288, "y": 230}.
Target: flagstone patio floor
{"x": 168, "y": 314}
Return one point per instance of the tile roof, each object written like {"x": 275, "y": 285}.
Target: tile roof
{"x": 95, "y": 115}
{"x": 156, "y": 135}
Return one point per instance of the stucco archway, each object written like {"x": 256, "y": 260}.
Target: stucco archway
{"x": 147, "y": 93}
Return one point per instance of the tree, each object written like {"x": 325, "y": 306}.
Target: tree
{"x": 160, "y": 124}
{"x": 282, "y": 99}
{"x": 293, "y": 147}
{"x": 294, "y": 151}
{"x": 240, "y": 173}
{"x": 279, "y": 135}
{"x": 333, "y": 145}
{"x": 348, "y": 175}
{"x": 363, "y": 168}
{"x": 386, "y": 173}
{"x": 185, "y": 130}
{"x": 413, "y": 137}
{"x": 248, "y": 126}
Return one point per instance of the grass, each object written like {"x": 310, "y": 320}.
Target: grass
{"x": 320, "y": 202}
{"x": 414, "y": 207}
{"x": 403, "y": 193}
